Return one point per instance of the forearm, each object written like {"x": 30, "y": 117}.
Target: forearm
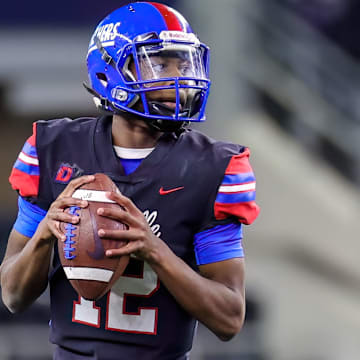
{"x": 24, "y": 271}
{"x": 217, "y": 306}
{"x": 24, "y": 275}
{"x": 216, "y": 297}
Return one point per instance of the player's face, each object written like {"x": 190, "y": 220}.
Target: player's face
{"x": 162, "y": 67}
{"x": 167, "y": 64}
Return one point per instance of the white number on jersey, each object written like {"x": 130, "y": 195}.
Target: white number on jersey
{"x": 144, "y": 321}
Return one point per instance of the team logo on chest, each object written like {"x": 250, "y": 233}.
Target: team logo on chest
{"x": 151, "y": 218}
{"x": 66, "y": 172}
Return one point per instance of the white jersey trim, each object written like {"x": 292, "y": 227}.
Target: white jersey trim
{"x": 28, "y": 160}
{"x": 237, "y": 188}
{"x": 131, "y": 153}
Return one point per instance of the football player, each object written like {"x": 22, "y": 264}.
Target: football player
{"x": 184, "y": 195}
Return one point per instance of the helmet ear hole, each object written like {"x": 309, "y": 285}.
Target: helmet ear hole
{"x": 103, "y": 79}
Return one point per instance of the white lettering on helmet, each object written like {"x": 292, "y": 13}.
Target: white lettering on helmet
{"x": 115, "y": 31}
{"x": 106, "y": 34}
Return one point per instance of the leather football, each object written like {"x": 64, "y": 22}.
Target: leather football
{"x": 82, "y": 254}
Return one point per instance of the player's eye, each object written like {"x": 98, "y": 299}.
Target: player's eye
{"x": 158, "y": 68}
{"x": 185, "y": 69}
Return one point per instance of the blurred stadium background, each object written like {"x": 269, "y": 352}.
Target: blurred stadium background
{"x": 286, "y": 82}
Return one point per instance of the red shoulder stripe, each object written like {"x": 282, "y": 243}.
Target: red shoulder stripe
{"x": 32, "y": 139}
{"x": 236, "y": 195}
{"x": 27, "y": 185}
{"x": 239, "y": 164}
{"x": 245, "y": 212}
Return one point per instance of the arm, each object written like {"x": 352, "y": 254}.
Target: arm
{"x": 215, "y": 296}
{"x": 24, "y": 270}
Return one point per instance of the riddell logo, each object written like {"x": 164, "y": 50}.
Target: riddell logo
{"x": 169, "y": 191}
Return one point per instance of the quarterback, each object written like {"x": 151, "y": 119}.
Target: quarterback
{"x": 184, "y": 198}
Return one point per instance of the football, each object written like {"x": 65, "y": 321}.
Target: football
{"x": 82, "y": 254}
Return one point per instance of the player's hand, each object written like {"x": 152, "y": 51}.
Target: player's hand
{"x": 141, "y": 240}
{"x": 50, "y": 225}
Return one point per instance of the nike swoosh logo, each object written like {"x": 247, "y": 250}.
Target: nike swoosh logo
{"x": 165, "y": 192}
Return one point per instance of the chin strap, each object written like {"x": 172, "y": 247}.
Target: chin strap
{"x": 105, "y": 56}
{"x": 167, "y": 125}
{"x": 158, "y": 108}
{"x": 100, "y": 102}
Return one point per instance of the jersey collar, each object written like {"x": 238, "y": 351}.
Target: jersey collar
{"x": 108, "y": 162}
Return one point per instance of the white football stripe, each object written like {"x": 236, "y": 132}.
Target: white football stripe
{"x": 86, "y": 273}
{"x": 91, "y": 195}
{"x": 28, "y": 160}
{"x": 237, "y": 188}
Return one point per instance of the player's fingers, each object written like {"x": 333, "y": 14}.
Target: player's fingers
{"x": 66, "y": 202}
{"x": 128, "y": 249}
{"x": 124, "y": 201}
{"x": 74, "y": 184}
{"x": 54, "y": 227}
{"x": 62, "y": 216}
{"x": 119, "y": 215}
{"x": 124, "y": 235}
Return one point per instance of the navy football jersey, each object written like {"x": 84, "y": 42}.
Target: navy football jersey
{"x": 187, "y": 184}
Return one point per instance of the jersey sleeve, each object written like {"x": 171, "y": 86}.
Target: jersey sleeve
{"x": 236, "y": 194}
{"x": 25, "y": 173}
{"x": 234, "y": 206}
{"x": 28, "y": 218}
{"x": 222, "y": 242}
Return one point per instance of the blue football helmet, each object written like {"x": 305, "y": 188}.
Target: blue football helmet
{"x": 142, "y": 48}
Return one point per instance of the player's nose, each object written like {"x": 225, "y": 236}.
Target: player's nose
{"x": 173, "y": 70}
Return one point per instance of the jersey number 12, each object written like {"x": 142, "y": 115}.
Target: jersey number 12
{"x": 143, "y": 321}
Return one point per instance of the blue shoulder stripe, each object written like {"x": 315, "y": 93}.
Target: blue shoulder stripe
{"x": 29, "y": 150}
{"x": 238, "y": 178}
{"x": 232, "y": 198}
{"x": 26, "y": 168}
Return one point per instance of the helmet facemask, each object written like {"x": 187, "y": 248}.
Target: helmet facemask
{"x": 167, "y": 79}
